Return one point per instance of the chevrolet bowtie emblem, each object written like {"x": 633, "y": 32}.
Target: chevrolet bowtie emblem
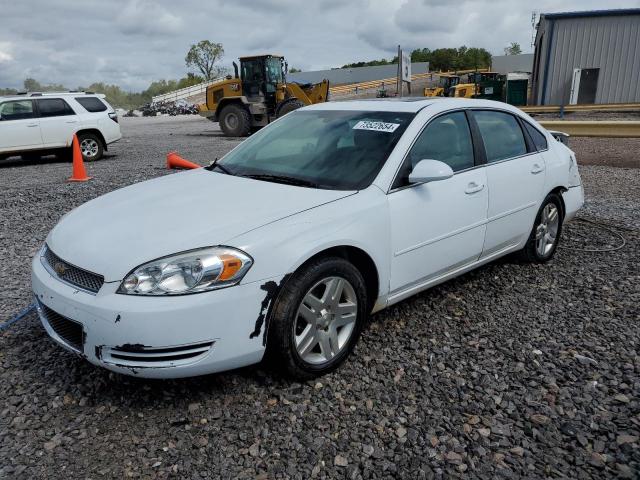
{"x": 60, "y": 268}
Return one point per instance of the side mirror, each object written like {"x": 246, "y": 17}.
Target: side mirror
{"x": 430, "y": 171}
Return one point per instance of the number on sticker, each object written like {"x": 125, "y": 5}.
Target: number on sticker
{"x": 376, "y": 126}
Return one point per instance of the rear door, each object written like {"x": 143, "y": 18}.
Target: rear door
{"x": 58, "y": 122}
{"x": 515, "y": 176}
{"x": 19, "y": 126}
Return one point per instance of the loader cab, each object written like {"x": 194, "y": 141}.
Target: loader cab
{"x": 447, "y": 82}
{"x": 260, "y": 78}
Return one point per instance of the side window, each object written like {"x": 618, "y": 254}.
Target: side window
{"x": 501, "y": 134}
{"x": 54, "y": 107}
{"x": 446, "y": 138}
{"x": 91, "y": 104}
{"x": 538, "y": 138}
{"x": 16, "y": 110}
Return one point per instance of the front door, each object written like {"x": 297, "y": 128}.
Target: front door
{"x": 515, "y": 175}
{"x": 19, "y": 127}
{"x": 58, "y": 122}
{"x": 437, "y": 227}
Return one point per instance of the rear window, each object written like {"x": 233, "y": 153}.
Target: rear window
{"x": 91, "y": 104}
{"x": 538, "y": 138}
{"x": 54, "y": 107}
{"x": 502, "y": 136}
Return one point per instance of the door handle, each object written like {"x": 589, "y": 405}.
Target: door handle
{"x": 537, "y": 168}
{"x": 473, "y": 187}
{"x": 32, "y": 125}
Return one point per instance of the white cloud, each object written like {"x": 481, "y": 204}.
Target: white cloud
{"x": 5, "y": 52}
{"x": 133, "y": 42}
{"x": 147, "y": 17}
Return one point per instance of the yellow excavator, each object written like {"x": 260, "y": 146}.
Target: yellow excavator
{"x": 257, "y": 94}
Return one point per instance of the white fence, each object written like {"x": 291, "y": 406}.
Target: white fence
{"x": 184, "y": 92}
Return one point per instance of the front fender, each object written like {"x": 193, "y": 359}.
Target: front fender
{"x": 360, "y": 220}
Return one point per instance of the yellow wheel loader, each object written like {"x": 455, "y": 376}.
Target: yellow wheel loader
{"x": 443, "y": 89}
{"x": 257, "y": 94}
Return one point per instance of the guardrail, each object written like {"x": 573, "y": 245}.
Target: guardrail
{"x": 364, "y": 86}
{"x": 603, "y": 107}
{"x": 612, "y": 129}
{"x": 184, "y": 92}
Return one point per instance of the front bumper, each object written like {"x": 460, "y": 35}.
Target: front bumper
{"x": 154, "y": 337}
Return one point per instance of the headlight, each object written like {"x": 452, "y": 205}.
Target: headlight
{"x": 188, "y": 272}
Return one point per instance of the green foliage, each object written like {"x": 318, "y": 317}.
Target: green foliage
{"x": 294, "y": 70}
{"x": 462, "y": 58}
{"x": 513, "y": 49}
{"x": 371, "y": 63}
{"x": 203, "y": 56}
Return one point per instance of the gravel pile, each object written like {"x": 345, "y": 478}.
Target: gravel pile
{"x": 510, "y": 371}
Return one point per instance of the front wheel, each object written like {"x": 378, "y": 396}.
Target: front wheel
{"x": 545, "y": 235}
{"x": 318, "y": 317}
{"x": 235, "y": 121}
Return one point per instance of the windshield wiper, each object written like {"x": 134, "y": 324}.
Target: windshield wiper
{"x": 282, "y": 179}
{"x": 215, "y": 164}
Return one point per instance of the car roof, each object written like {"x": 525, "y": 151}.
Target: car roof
{"x": 30, "y": 95}
{"x": 410, "y": 104}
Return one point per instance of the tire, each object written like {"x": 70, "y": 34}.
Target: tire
{"x": 545, "y": 234}
{"x": 287, "y": 106}
{"x": 330, "y": 341}
{"x": 91, "y": 147}
{"x": 235, "y": 121}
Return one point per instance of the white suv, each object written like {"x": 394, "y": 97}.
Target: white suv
{"x": 36, "y": 124}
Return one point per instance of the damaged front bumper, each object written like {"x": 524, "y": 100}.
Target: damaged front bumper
{"x": 156, "y": 337}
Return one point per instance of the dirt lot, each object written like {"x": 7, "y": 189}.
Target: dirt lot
{"x": 510, "y": 371}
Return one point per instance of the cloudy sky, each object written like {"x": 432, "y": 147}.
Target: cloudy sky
{"x": 132, "y": 42}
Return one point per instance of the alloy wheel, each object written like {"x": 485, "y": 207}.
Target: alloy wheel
{"x": 325, "y": 320}
{"x": 89, "y": 148}
{"x": 547, "y": 230}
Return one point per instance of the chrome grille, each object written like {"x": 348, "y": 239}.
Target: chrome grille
{"x": 70, "y": 332}
{"x": 71, "y": 274}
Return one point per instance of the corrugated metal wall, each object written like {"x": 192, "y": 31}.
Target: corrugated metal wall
{"x": 611, "y": 43}
{"x": 340, "y": 76}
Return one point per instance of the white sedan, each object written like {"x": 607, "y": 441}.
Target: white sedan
{"x": 292, "y": 239}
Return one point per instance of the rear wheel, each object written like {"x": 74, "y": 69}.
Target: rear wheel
{"x": 235, "y": 121}
{"x": 90, "y": 146}
{"x": 545, "y": 235}
{"x": 318, "y": 317}
{"x": 287, "y": 106}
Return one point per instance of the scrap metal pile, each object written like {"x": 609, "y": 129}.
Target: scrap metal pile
{"x": 179, "y": 107}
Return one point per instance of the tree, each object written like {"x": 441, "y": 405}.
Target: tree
{"x": 294, "y": 70}
{"x": 513, "y": 49}
{"x": 203, "y": 56}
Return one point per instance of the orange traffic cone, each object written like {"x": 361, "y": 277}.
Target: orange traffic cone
{"x": 176, "y": 161}
{"x": 79, "y": 173}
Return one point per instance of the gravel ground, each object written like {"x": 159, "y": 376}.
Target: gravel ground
{"x": 510, "y": 371}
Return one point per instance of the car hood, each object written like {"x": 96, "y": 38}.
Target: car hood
{"x": 121, "y": 230}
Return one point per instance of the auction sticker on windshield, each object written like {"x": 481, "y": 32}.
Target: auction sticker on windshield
{"x": 376, "y": 126}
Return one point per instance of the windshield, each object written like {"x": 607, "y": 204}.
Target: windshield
{"x": 342, "y": 150}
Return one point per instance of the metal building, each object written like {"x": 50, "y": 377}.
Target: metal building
{"x": 587, "y": 57}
